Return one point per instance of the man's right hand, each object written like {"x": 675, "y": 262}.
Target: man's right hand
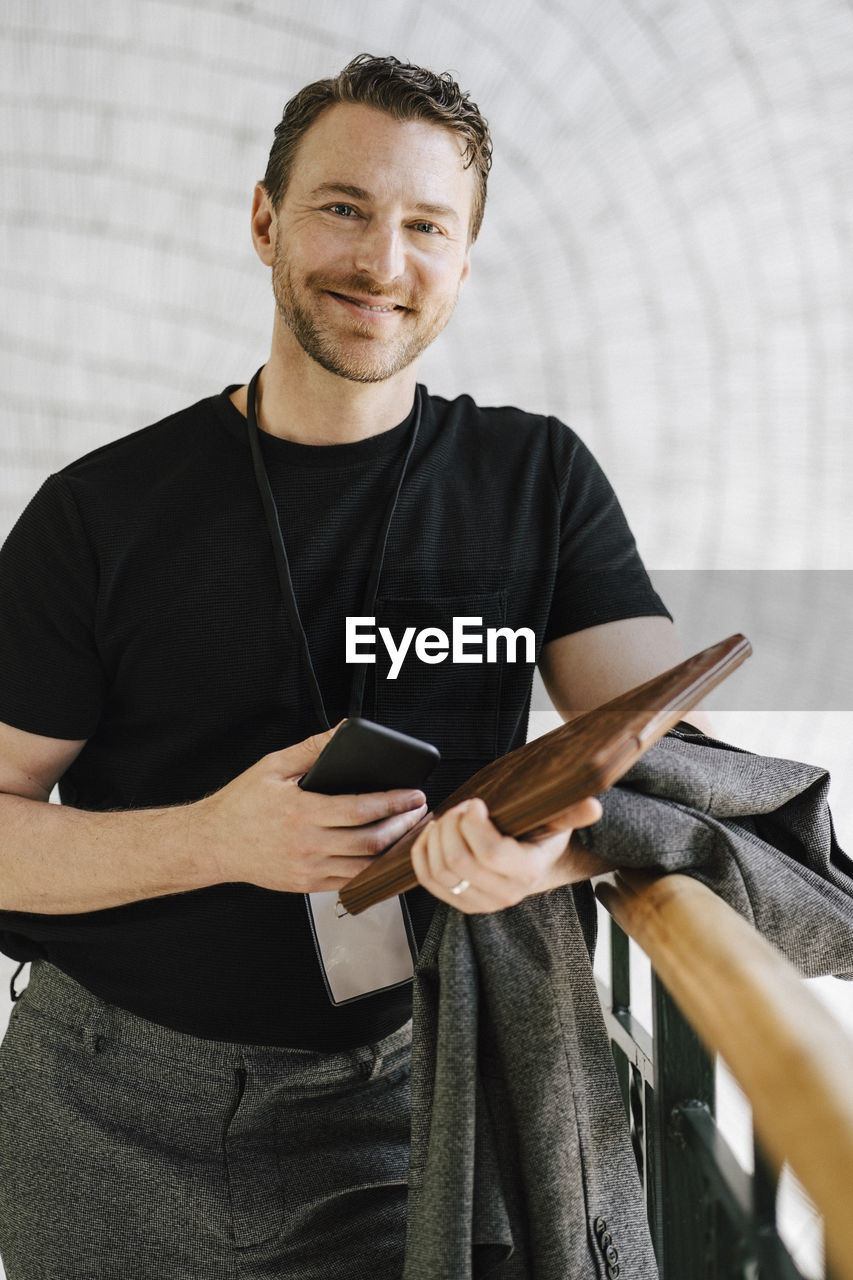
{"x": 262, "y": 828}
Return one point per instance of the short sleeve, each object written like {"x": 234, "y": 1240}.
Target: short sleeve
{"x": 51, "y": 677}
{"x": 600, "y": 576}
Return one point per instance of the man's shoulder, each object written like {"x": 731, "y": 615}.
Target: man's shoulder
{"x": 506, "y": 429}
{"x": 464, "y": 408}
{"x": 189, "y": 432}
{"x": 171, "y": 465}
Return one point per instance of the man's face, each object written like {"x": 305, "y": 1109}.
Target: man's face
{"x": 370, "y": 242}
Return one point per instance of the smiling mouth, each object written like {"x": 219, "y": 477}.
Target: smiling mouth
{"x": 381, "y": 308}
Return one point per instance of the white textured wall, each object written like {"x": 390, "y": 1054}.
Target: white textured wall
{"x": 665, "y": 261}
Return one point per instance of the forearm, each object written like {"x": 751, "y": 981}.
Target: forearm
{"x": 577, "y": 863}
{"x": 59, "y": 860}
{"x": 261, "y": 828}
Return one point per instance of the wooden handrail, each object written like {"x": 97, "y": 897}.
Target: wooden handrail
{"x": 747, "y": 1003}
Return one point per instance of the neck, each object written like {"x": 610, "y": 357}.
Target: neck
{"x": 300, "y": 400}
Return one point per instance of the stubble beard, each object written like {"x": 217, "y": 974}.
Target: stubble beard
{"x": 358, "y": 354}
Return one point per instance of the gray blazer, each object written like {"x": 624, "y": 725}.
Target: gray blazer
{"x": 521, "y": 1165}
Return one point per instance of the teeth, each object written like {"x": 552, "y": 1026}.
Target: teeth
{"x": 367, "y": 307}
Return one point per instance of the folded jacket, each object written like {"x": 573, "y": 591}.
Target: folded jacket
{"x": 521, "y": 1162}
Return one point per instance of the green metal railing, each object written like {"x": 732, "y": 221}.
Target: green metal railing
{"x": 710, "y": 1220}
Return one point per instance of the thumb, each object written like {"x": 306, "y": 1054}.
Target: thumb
{"x": 586, "y": 812}
{"x": 583, "y": 813}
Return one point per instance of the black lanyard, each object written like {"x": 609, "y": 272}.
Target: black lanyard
{"x": 283, "y": 566}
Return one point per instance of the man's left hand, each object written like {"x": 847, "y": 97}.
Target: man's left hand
{"x": 463, "y": 850}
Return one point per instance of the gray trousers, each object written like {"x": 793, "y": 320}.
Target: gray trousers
{"x": 131, "y": 1151}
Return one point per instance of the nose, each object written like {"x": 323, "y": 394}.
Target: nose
{"x": 380, "y": 252}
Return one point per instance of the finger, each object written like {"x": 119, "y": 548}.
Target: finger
{"x": 582, "y": 814}
{"x": 471, "y": 901}
{"x": 512, "y": 868}
{"x": 375, "y": 837}
{"x": 343, "y": 853}
{"x": 427, "y": 859}
{"x": 437, "y": 863}
{"x": 337, "y": 872}
{"x": 362, "y": 810}
{"x": 430, "y": 861}
{"x": 585, "y": 812}
{"x": 490, "y": 849}
{"x": 449, "y": 858}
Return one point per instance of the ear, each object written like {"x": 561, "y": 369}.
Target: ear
{"x": 263, "y": 225}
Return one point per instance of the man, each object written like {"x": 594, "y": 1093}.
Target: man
{"x": 180, "y": 1095}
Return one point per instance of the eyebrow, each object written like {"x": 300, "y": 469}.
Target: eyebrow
{"x": 445, "y": 211}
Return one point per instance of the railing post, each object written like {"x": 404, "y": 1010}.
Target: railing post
{"x": 678, "y": 1210}
{"x": 632, "y": 1049}
{"x": 620, "y": 996}
{"x": 765, "y": 1188}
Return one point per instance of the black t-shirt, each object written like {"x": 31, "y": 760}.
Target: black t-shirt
{"x": 141, "y": 611}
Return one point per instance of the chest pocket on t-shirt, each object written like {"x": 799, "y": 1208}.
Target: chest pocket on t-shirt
{"x": 452, "y": 703}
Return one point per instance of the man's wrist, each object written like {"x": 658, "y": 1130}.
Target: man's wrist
{"x": 579, "y": 863}
{"x": 197, "y": 835}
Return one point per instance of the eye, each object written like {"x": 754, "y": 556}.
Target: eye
{"x": 343, "y": 210}
{"x": 429, "y": 228}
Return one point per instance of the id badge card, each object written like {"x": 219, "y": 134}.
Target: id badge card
{"x": 365, "y": 953}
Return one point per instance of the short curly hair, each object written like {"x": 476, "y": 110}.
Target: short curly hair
{"x": 400, "y": 89}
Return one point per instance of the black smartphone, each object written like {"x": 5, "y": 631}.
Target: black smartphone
{"x": 363, "y": 756}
